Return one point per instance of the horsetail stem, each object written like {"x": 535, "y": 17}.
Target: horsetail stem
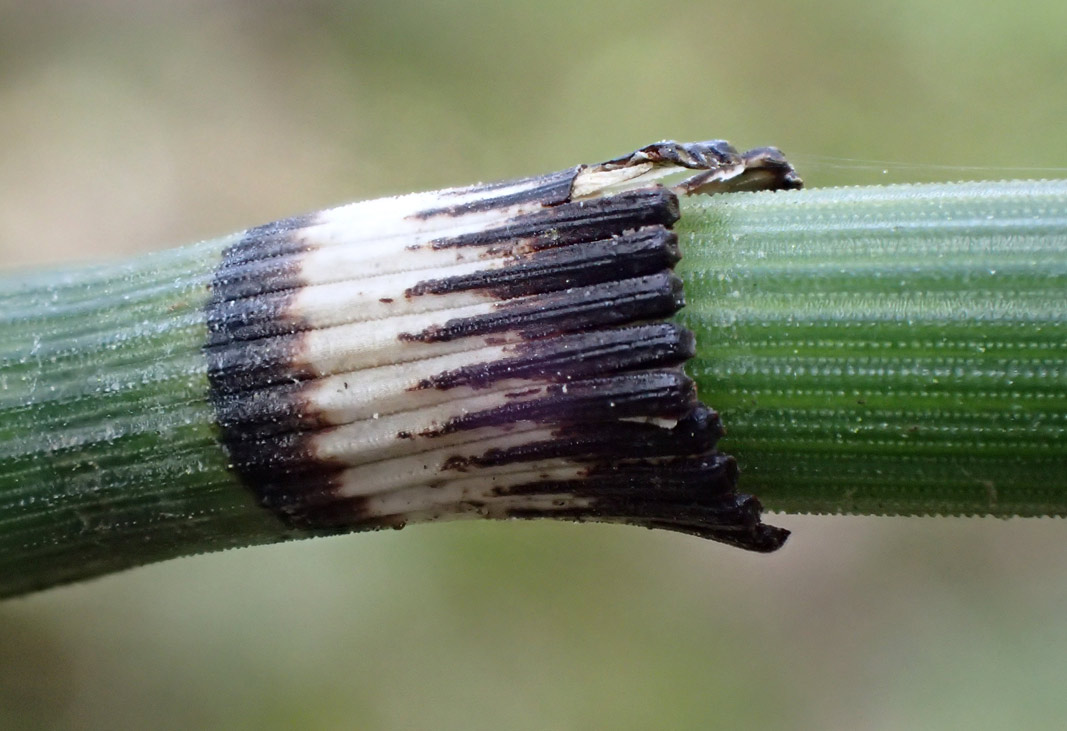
{"x": 508, "y": 350}
{"x": 893, "y": 350}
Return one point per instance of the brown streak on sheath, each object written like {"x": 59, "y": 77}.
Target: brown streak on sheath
{"x": 680, "y": 482}
{"x": 521, "y": 394}
{"x": 547, "y": 190}
{"x": 733, "y": 519}
{"x": 578, "y": 355}
{"x": 667, "y": 394}
{"x": 610, "y": 442}
{"x": 576, "y": 221}
{"x": 643, "y": 252}
{"x": 610, "y": 303}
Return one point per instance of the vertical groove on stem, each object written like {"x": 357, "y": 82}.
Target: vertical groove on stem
{"x": 109, "y": 456}
{"x": 890, "y": 350}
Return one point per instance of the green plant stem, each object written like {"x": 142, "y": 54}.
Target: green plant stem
{"x": 109, "y": 455}
{"x": 892, "y": 350}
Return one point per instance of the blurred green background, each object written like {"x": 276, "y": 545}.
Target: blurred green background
{"x": 126, "y": 126}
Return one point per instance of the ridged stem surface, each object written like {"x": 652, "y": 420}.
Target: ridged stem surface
{"x": 108, "y": 450}
{"x": 893, "y": 350}
{"x": 889, "y": 350}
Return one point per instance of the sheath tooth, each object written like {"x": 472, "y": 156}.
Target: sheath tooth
{"x": 264, "y": 314}
{"x": 375, "y": 392}
{"x": 497, "y": 350}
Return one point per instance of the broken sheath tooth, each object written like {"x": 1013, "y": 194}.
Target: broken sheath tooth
{"x": 498, "y": 350}
{"x": 721, "y": 168}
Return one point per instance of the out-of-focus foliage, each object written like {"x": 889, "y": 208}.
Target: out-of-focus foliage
{"x": 128, "y": 125}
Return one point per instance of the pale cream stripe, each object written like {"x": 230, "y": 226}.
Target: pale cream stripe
{"x": 347, "y": 397}
{"x": 360, "y": 299}
{"x": 371, "y": 439}
{"x": 414, "y": 500}
{"x": 358, "y": 345}
{"x": 395, "y": 223}
{"x": 368, "y": 259}
{"x": 427, "y": 467}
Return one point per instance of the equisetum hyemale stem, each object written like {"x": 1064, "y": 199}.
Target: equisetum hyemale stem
{"x": 519, "y": 350}
{"x": 891, "y": 350}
